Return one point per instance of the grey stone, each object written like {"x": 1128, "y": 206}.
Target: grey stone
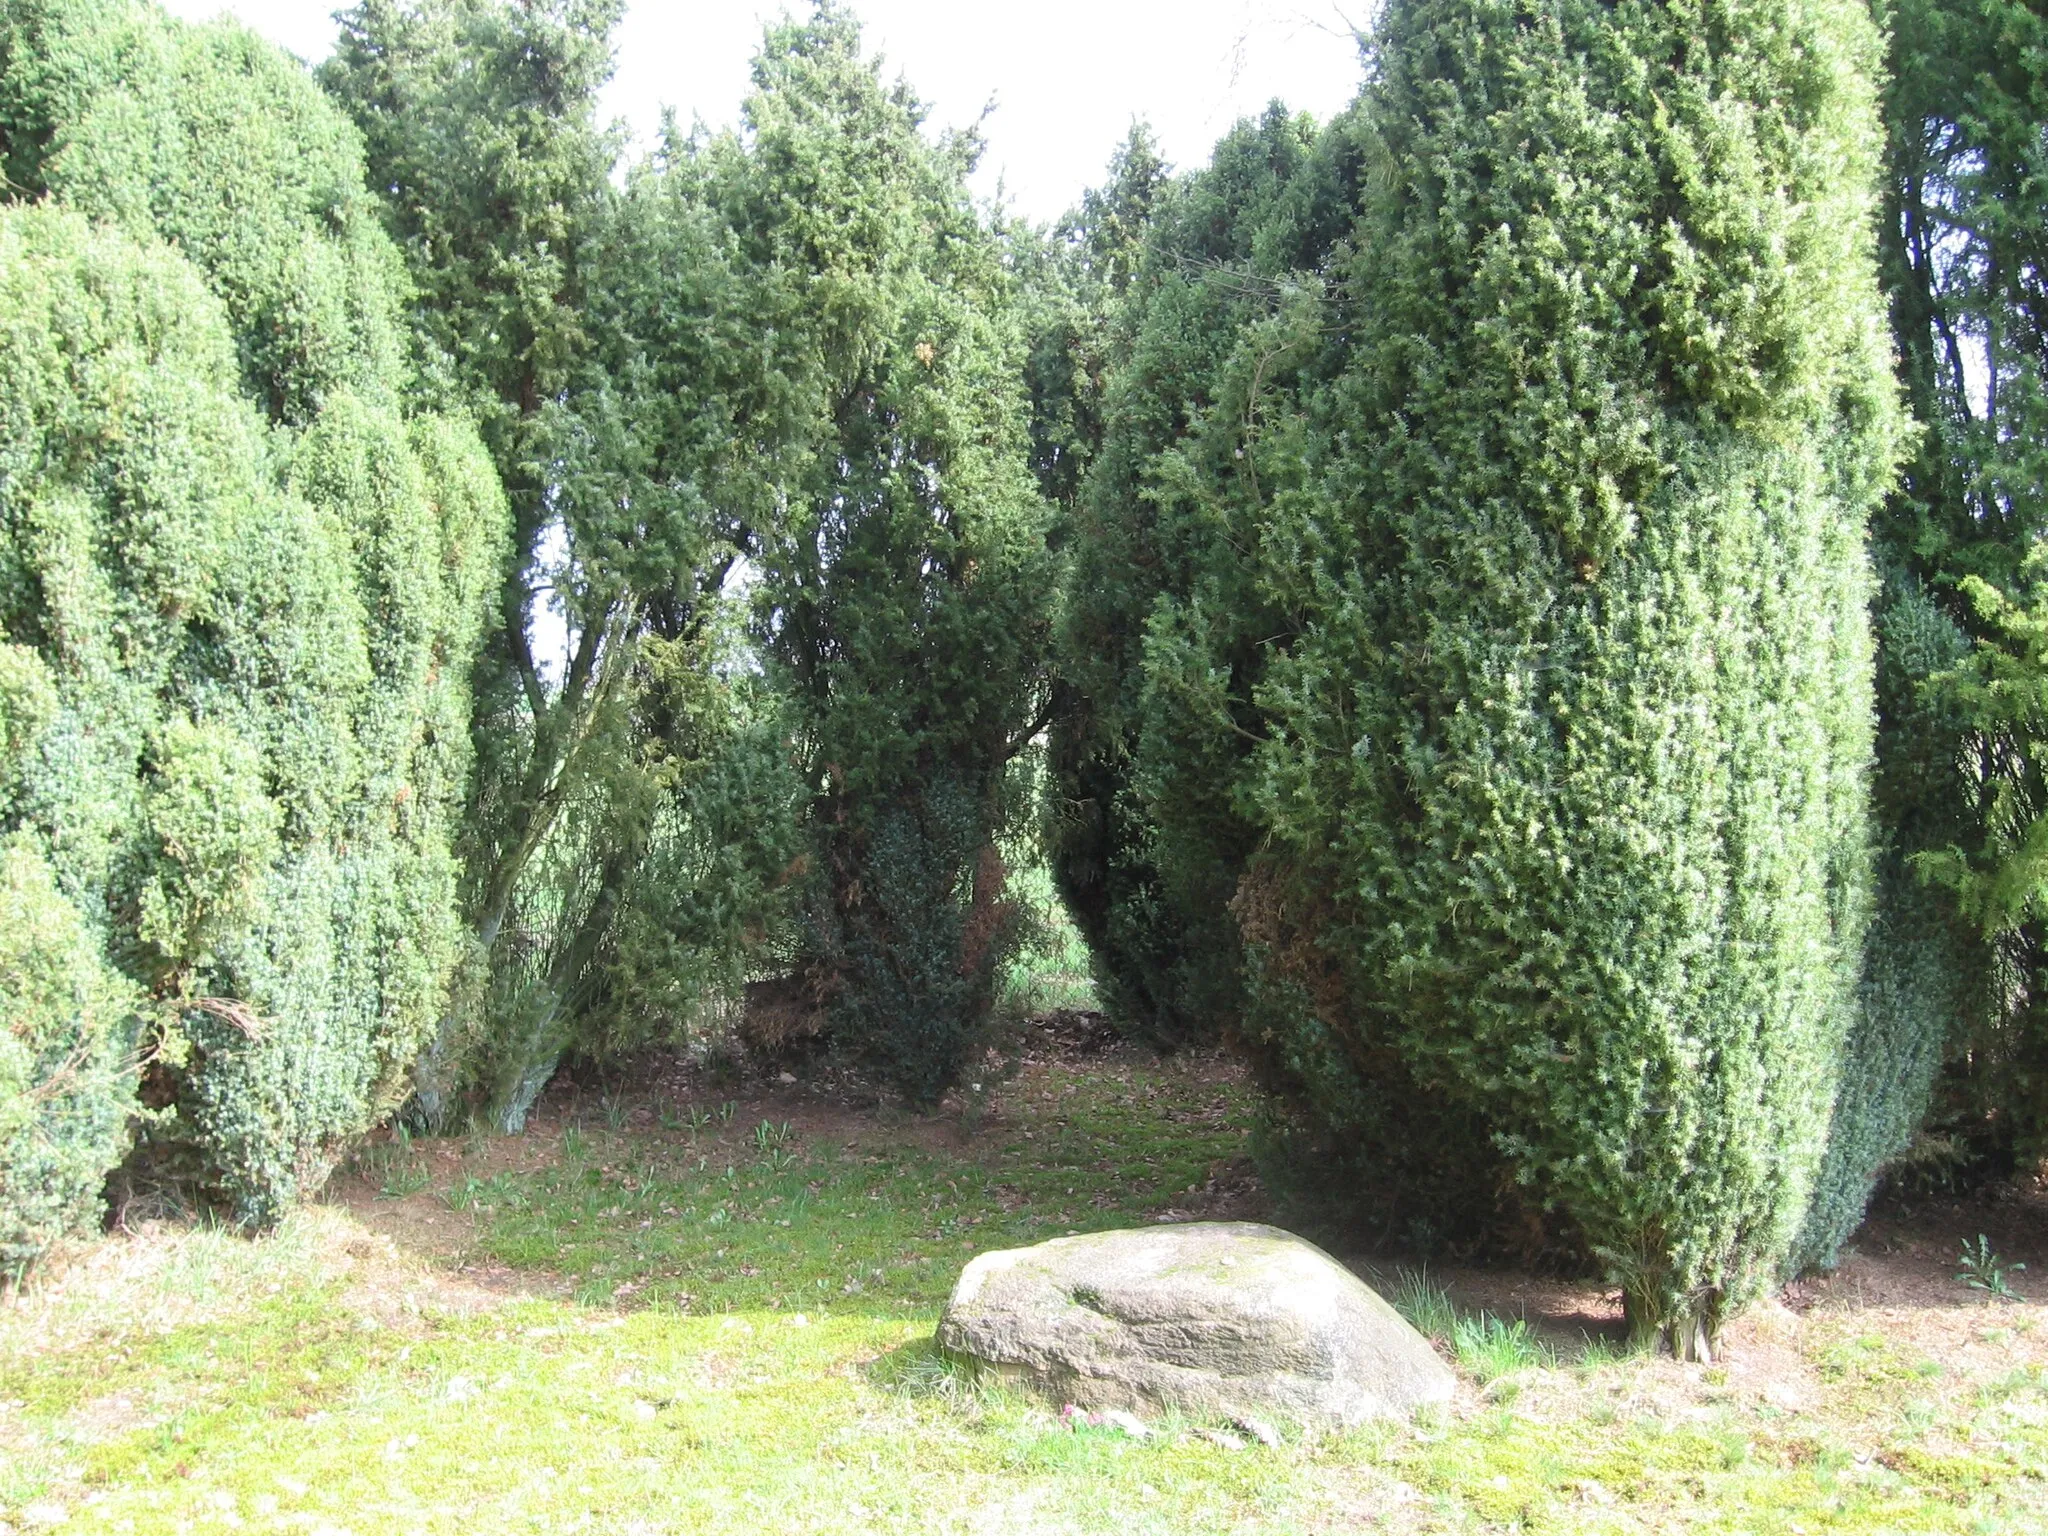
{"x": 1230, "y": 1319}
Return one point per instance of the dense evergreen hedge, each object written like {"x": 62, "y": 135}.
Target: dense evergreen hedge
{"x": 255, "y": 654}
{"x": 1216, "y": 317}
{"x": 66, "y": 1079}
{"x": 257, "y": 640}
{"x": 1562, "y": 728}
{"x": 1438, "y": 544}
{"x": 222, "y": 144}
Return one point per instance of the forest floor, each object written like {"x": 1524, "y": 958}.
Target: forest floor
{"x": 677, "y": 1307}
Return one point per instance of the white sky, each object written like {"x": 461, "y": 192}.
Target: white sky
{"x": 1067, "y": 77}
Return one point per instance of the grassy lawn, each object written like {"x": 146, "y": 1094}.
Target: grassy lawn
{"x": 656, "y": 1314}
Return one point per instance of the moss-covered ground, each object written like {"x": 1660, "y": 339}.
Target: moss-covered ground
{"x": 664, "y": 1312}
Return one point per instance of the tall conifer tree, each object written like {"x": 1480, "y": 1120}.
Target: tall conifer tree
{"x": 1564, "y": 734}
{"x": 1963, "y": 743}
{"x": 905, "y": 591}
{"x": 605, "y": 338}
{"x": 1214, "y": 282}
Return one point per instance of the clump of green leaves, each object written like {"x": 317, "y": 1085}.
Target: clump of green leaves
{"x": 1983, "y": 1270}
{"x": 66, "y": 1065}
{"x": 1488, "y": 1346}
{"x": 219, "y": 142}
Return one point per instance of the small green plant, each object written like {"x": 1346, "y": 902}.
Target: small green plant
{"x": 616, "y": 1111}
{"x": 727, "y": 1110}
{"x": 1983, "y": 1270}
{"x": 403, "y": 1178}
{"x": 500, "y": 1192}
{"x": 1491, "y": 1347}
{"x": 923, "y": 1370}
{"x": 573, "y": 1145}
{"x": 769, "y": 1137}
{"x": 1427, "y": 1306}
{"x": 1599, "y": 1350}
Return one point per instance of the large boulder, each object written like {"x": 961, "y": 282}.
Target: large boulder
{"x": 1231, "y": 1319}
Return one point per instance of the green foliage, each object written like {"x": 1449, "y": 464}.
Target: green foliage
{"x": 211, "y": 837}
{"x": 713, "y": 889}
{"x": 1491, "y": 1347}
{"x": 634, "y": 811}
{"x": 1072, "y": 281}
{"x": 1983, "y": 1270}
{"x": 220, "y": 143}
{"x": 1208, "y": 279}
{"x": 1926, "y": 971}
{"x": 2001, "y": 689}
{"x": 905, "y": 586}
{"x": 1551, "y": 685}
{"x": 66, "y": 1083}
{"x": 255, "y": 644}
{"x": 1961, "y": 234}
{"x": 348, "y": 973}
{"x": 1427, "y": 1306}
{"x": 477, "y": 123}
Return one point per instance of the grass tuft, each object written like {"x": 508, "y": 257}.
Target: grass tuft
{"x": 1427, "y": 1306}
{"x": 1491, "y": 1347}
{"x": 922, "y": 1370}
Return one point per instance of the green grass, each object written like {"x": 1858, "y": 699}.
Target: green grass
{"x": 1051, "y": 969}
{"x": 1487, "y": 1346}
{"x": 1491, "y": 1347}
{"x": 736, "y": 1217}
{"x": 1428, "y": 1307}
{"x": 744, "y": 1346}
